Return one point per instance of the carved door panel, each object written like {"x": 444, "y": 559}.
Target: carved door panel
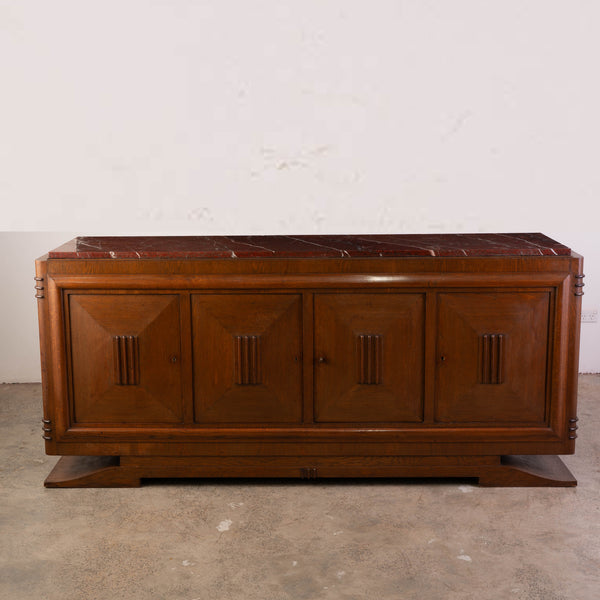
{"x": 247, "y": 358}
{"x": 125, "y": 358}
{"x": 369, "y": 353}
{"x": 492, "y": 357}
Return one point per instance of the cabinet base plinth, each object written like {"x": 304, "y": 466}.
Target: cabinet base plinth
{"x": 490, "y": 471}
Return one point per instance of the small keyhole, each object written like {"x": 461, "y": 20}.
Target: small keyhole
{"x": 173, "y": 358}
{"x": 442, "y": 358}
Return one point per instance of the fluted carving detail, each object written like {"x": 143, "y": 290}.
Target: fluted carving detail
{"x": 126, "y": 359}
{"x": 247, "y": 359}
{"x": 491, "y": 360}
{"x": 369, "y": 359}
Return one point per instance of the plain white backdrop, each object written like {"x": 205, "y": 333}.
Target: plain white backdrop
{"x": 278, "y": 116}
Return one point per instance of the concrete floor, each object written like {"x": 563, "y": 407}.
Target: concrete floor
{"x": 270, "y": 540}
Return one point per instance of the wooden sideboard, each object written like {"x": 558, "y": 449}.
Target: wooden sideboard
{"x": 310, "y": 356}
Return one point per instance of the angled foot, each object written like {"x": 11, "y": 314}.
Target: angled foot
{"x": 91, "y": 471}
{"x": 528, "y": 471}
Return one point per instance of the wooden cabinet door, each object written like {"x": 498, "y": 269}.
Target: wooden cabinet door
{"x": 369, "y": 356}
{"x": 247, "y": 358}
{"x": 125, "y": 358}
{"x": 492, "y": 357}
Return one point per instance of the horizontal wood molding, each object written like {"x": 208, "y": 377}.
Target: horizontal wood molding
{"x": 315, "y": 434}
{"x": 506, "y": 264}
{"x": 354, "y": 447}
{"x": 313, "y": 280}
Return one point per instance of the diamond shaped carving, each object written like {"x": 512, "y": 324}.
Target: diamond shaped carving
{"x": 120, "y": 348}
{"x": 487, "y": 376}
{"x": 247, "y": 351}
{"x": 356, "y": 380}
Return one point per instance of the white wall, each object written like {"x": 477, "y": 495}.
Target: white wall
{"x": 19, "y": 342}
{"x": 217, "y": 116}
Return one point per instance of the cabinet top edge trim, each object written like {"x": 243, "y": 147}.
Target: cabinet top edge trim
{"x": 306, "y": 281}
{"x": 276, "y": 266}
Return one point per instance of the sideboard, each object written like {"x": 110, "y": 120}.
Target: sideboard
{"x": 310, "y": 356}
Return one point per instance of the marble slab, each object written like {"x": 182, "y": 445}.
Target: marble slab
{"x": 313, "y": 246}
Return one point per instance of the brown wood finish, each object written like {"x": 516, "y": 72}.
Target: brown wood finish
{"x": 369, "y": 358}
{"x": 125, "y": 355}
{"x": 247, "y": 358}
{"x": 312, "y": 365}
{"x": 509, "y": 471}
{"x": 492, "y": 357}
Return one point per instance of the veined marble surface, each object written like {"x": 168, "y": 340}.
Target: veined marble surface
{"x": 313, "y": 246}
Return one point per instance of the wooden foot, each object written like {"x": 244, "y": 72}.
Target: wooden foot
{"x": 128, "y": 471}
{"x": 528, "y": 471}
{"x": 91, "y": 471}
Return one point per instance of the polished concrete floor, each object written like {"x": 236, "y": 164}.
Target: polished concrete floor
{"x": 279, "y": 540}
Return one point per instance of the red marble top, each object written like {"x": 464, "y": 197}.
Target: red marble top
{"x": 312, "y": 246}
